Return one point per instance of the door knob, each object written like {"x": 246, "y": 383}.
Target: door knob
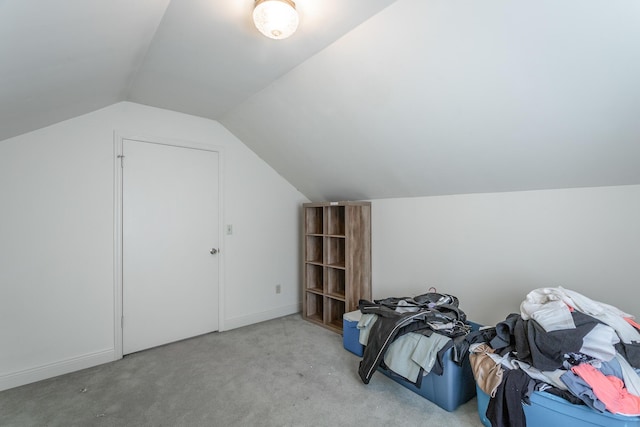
{"x": 213, "y": 251}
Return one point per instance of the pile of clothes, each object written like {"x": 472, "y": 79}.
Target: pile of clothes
{"x": 410, "y": 335}
{"x": 564, "y": 343}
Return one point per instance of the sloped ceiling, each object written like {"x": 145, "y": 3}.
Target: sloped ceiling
{"x": 437, "y": 97}
{"x": 207, "y": 56}
{"x": 369, "y": 99}
{"x": 61, "y": 59}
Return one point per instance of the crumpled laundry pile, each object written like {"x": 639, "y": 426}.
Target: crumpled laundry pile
{"x": 564, "y": 343}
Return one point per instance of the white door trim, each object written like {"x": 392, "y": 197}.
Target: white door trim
{"x": 118, "y": 138}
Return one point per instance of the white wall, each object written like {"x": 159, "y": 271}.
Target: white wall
{"x": 57, "y": 238}
{"x": 490, "y": 250}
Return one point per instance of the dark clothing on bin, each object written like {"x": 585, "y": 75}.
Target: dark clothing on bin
{"x": 505, "y": 409}
{"x": 392, "y": 324}
{"x": 631, "y": 352}
{"x": 532, "y": 344}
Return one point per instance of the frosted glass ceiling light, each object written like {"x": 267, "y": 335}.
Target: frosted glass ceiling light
{"x": 276, "y": 19}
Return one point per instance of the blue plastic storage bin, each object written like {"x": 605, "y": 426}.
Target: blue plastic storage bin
{"x": 548, "y": 410}
{"x": 451, "y": 389}
{"x": 454, "y": 387}
{"x": 351, "y": 333}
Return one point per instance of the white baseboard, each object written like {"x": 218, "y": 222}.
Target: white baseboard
{"x": 250, "y": 319}
{"x": 27, "y": 376}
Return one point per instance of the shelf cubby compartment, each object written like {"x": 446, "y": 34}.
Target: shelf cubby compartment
{"x": 335, "y": 221}
{"x": 335, "y": 282}
{"x": 335, "y": 252}
{"x": 315, "y": 307}
{"x": 334, "y": 311}
{"x": 313, "y": 220}
{"x": 314, "y": 276}
{"x": 313, "y": 252}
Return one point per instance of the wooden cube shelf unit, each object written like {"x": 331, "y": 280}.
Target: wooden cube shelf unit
{"x": 337, "y": 260}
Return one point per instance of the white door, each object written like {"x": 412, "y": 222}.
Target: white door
{"x": 169, "y": 228}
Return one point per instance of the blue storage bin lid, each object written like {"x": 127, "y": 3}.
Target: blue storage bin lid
{"x": 352, "y": 316}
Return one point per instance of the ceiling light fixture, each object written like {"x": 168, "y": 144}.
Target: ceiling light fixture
{"x": 276, "y": 19}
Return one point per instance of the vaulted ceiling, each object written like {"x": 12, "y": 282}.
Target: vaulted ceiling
{"x": 369, "y": 99}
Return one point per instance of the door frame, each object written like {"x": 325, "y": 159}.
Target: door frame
{"x": 118, "y": 138}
